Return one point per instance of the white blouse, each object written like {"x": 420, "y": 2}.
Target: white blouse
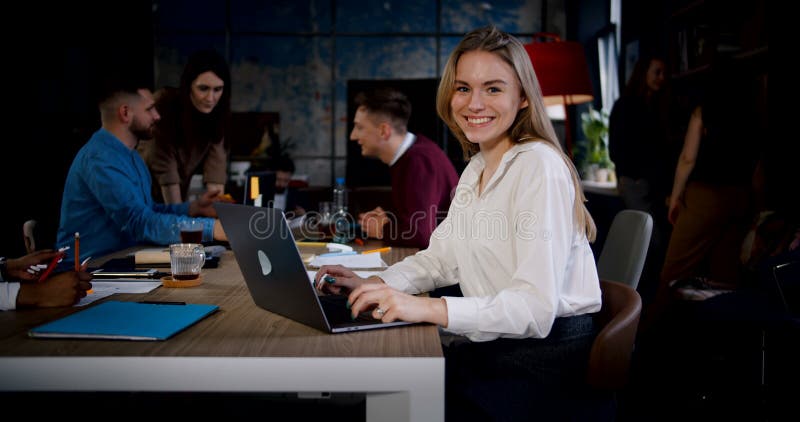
{"x": 515, "y": 250}
{"x": 8, "y": 295}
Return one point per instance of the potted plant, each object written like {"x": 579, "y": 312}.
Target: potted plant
{"x": 599, "y": 166}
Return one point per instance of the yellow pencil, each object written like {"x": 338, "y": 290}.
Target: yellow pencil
{"x": 386, "y": 249}
{"x": 311, "y": 243}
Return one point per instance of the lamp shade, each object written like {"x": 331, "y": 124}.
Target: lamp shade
{"x": 561, "y": 69}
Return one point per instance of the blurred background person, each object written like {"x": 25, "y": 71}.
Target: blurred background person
{"x": 287, "y": 197}
{"x": 423, "y": 178}
{"x": 190, "y": 138}
{"x": 639, "y": 141}
{"x": 712, "y": 201}
{"x": 638, "y": 137}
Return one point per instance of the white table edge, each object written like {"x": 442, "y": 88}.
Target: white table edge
{"x": 396, "y": 388}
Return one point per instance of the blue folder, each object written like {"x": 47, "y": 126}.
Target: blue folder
{"x": 117, "y": 320}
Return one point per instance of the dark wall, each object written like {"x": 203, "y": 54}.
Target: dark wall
{"x": 56, "y": 53}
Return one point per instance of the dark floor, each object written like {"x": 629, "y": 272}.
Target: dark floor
{"x": 731, "y": 358}
{"x": 188, "y": 406}
{"x": 727, "y": 358}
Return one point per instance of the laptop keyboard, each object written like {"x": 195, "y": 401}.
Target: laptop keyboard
{"x": 336, "y": 310}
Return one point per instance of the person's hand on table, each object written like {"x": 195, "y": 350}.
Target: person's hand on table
{"x": 28, "y": 267}
{"x": 62, "y": 289}
{"x": 388, "y": 304}
{"x": 372, "y": 222}
{"x": 337, "y": 279}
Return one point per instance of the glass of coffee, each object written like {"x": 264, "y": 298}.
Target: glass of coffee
{"x": 186, "y": 260}
{"x": 191, "y": 230}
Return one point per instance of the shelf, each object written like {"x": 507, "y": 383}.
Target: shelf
{"x": 701, "y": 29}
{"x": 691, "y": 72}
{"x": 688, "y": 8}
{"x": 748, "y": 54}
{"x": 752, "y": 53}
{"x": 602, "y": 188}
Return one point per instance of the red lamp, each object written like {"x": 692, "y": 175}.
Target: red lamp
{"x": 563, "y": 74}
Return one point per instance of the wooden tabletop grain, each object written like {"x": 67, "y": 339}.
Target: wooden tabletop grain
{"x": 239, "y": 328}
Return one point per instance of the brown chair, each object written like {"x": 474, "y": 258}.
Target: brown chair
{"x": 618, "y": 320}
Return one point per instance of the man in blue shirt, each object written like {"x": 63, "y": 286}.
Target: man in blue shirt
{"x": 107, "y": 193}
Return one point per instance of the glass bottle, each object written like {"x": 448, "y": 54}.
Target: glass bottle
{"x": 343, "y": 223}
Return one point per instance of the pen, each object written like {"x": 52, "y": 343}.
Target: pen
{"x": 52, "y": 266}
{"x": 77, "y": 252}
{"x": 386, "y": 249}
{"x": 156, "y": 302}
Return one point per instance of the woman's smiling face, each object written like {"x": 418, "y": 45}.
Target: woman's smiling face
{"x": 486, "y": 97}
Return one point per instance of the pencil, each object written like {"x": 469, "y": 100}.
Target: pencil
{"x": 311, "y": 243}
{"x": 77, "y": 251}
{"x": 386, "y": 249}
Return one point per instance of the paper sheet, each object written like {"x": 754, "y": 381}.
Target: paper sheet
{"x": 370, "y": 260}
{"x": 107, "y": 288}
{"x": 364, "y": 274}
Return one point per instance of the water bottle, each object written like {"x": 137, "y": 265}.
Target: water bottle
{"x": 340, "y": 196}
{"x": 342, "y": 224}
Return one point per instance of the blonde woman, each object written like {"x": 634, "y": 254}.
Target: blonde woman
{"x": 516, "y": 239}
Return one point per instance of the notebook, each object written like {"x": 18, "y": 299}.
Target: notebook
{"x": 159, "y": 257}
{"x": 275, "y": 274}
{"x": 115, "y": 320}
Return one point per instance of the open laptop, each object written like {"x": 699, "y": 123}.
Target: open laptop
{"x": 275, "y": 274}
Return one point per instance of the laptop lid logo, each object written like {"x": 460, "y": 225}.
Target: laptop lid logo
{"x": 266, "y": 265}
{"x": 259, "y": 225}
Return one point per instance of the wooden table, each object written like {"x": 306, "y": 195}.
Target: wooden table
{"x": 241, "y": 348}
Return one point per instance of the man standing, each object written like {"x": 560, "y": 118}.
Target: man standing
{"x": 423, "y": 178}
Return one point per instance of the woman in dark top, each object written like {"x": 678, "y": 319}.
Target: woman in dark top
{"x": 638, "y": 137}
{"x": 191, "y": 134}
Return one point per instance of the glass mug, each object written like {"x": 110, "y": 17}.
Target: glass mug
{"x": 186, "y": 260}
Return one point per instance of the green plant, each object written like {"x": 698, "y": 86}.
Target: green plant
{"x": 595, "y": 127}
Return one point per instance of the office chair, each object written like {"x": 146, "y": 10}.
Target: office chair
{"x": 625, "y": 248}
{"x": 611, "y": 352}
{"x": 618, "y": 320}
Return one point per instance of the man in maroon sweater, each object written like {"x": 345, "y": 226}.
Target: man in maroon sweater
{"x": 423, "y": 178}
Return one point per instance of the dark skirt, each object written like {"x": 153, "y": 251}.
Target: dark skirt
{"x": 519, "y": 379}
